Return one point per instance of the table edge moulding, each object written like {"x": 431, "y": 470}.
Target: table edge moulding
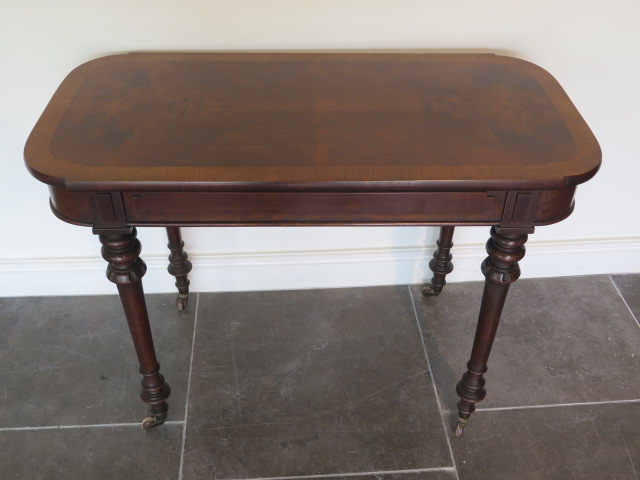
{"x": 173, "y": 139}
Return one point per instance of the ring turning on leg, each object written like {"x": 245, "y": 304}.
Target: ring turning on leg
{"x": 440, "y": 264}
{"x": 179, "y": 265}
{"x": 500, "y": 269}
{"x": 126, "y": 269}
{"x": 154, "y": 393}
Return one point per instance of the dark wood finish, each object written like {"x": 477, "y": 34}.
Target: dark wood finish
{"x": 311, "y": 207}
{"x": 180, "y": 121}
{"x": 206, "y": 139}
{"x": 179, "y": 265}
{"x": 126, "y": 269}
{"x": 440, "y": 264}
{"x": 500, "y": 269}
{"x": 198, "y": 209}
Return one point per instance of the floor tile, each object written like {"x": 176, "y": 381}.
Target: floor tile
{"x": 561, "y": 340}
{"x": 587, "y": 442}
{"x": 70, "y": 360}
{"x": 311, "y": 383}
{"x": 91, "y": 453}
{"x": 629, "y": 286}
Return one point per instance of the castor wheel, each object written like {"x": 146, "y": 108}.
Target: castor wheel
{"x": 181, "y": 301}
{"x": 151, "y": 422}
{"x": 428, "y": 291}
{"x": 459, "y": 428}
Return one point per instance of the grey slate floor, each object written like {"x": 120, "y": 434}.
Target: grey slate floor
{"x": 355, "y": 382}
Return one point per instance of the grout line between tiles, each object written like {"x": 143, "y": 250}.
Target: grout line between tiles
{"x": 360, "y": 474}
{"x": 626, "y": 447}
{"x": 443, "y": 416}
{"x": 555, "y": 405}
{"x": 70, "y": 427}
{"x": 186, "y": 406}
{"x": 625, "y": 302}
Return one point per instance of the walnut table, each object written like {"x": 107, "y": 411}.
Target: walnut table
{"x": 211, "y": 139}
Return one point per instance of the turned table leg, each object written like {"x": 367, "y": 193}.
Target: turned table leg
{"x": 126, "y": 269}
{"x": 500, "y": 269}
{"x": 179, "y": 265}
{"x": 440, "y": 264}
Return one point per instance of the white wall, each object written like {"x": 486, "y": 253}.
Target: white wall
{"x": 590, "y": 47}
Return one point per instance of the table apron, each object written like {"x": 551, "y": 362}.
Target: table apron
{"x": 391, "y": 207}
{"x": 121, "y": 209}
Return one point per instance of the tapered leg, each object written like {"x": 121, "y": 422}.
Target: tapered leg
{"x": 126, "y": 270}
{"x": 500, "y": 269}
{"x": 179, "y": 265}
{"x": 440, "y": 264}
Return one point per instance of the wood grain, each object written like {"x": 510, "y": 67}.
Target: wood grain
{"x": 310, "y": 121}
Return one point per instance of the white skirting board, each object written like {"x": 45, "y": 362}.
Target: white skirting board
{"x": 315, "y": 269}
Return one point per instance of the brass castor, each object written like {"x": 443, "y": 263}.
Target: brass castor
{"x": 459, "y": 428}
{"x": 181, "y": 301}
{"x": 428, "y": 291}
{"x": 151, "y": 422}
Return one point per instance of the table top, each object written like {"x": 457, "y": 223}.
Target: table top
{"x": 319, "y": 122}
